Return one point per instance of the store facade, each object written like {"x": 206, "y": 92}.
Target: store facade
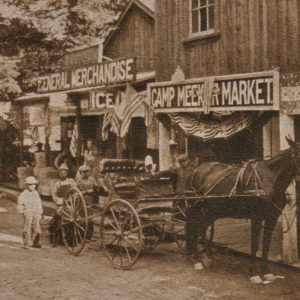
{"x": 87, "y": 98}
{"x": 221, "y": 83}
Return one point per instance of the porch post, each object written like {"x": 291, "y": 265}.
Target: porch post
{"x": 164, "y": 147}
{"x": 289, "y": 244}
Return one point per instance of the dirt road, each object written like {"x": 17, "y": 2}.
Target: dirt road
{"x": 163, "y": 273}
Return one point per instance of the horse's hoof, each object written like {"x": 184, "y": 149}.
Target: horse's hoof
{"x": 206, "y": 261}
{"x": 256, "y": 279}
{"x": 270, "y": 277}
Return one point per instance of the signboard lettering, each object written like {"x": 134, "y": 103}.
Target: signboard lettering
{"x": 254, "y": 91}
{"x": 101, "y": 100}
{"x": 99, "y": 74}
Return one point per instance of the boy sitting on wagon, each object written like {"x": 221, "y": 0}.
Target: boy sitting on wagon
{"x": 180, "y": 176}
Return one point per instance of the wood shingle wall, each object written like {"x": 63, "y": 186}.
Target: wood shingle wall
{"x": 134, "y": 38}
{"x": 252, "y": 35}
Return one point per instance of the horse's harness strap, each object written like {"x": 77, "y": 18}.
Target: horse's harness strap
{"x": 218, "y": 181}
{"x": 239, "y": 178}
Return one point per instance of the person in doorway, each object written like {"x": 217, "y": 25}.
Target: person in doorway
{"x": 180, "y": 176}
{"x": 88, "y": 186}
{"x": 90, "y": 154}
{"x": 174, "y": 154}
{"x": 149, "y": 165}
{"x": 30, "y": 204}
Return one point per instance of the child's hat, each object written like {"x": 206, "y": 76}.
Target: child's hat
{"x": 63, "y": 167}
{"x": 84, "y": 168}
{"x": 30, "y": 180}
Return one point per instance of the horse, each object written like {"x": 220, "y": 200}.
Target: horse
{"x": 266, "y": 180}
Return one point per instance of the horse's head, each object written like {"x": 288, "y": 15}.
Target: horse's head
{"x": 295, "y": 147}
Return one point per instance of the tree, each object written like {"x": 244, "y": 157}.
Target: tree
{"x": 35, "y": 33}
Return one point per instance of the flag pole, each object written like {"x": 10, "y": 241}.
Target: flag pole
{"x": 77, "y": 121}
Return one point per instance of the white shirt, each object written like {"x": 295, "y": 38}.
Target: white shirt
{"x": 30, "y": 201}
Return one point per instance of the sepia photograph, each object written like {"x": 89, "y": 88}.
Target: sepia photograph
{"x": 149, "y": 149}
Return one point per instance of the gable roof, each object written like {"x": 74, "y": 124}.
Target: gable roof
{"x": 147, "y": 6}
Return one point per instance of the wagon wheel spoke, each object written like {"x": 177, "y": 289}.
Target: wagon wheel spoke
{"x": 69, "y": 217}
{"x": 125, "y": 219}
{"x": 131, "y": 245}
{"x": 114, "y": 216}
{"x": 68, "y": 206}
{"x": 78, "y": 225}
{"x": 128, "y": 254}
{"x": 112, "y": 225}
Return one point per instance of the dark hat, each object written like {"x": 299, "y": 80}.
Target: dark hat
{"x": 182, "y": 158}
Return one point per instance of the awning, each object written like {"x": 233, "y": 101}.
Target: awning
{"x": 213, "y": 126}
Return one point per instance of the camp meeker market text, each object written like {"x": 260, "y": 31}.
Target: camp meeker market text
{"x": 255, "y": 91}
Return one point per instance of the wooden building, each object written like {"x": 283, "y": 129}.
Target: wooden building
{"x": 211, "y": 43}
{"x": 72, "y": 106}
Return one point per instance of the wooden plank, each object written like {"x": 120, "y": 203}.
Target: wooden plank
{"x": 264, "y": 34}
{"x": 242, "y": 35}
{"x": 283, "y": 44}
{"x": 293, "y": 36}
{"x": 273, "y": 44}
{"x": 223, "y": 41}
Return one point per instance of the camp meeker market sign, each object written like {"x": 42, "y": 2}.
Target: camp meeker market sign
{"x": 249, "y": 91}
{"x": 122, "y": 70}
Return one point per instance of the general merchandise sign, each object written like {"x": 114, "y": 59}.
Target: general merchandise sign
{"x": 122, "y": 70}
{"x": 251, "y": 91}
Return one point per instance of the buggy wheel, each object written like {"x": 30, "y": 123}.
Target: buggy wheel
{"x": 121, "y": 234}
{"x": 179, "y": 220}
{"x": 74, "y": 221}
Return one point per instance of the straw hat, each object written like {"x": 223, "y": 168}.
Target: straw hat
{"x": 30, "y": 180}
{"x": 63, "y": 167}
{"x": 84, "y": 168}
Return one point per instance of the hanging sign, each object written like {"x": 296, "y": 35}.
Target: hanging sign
{"x": 251, "y": 91}
{"x": 122, "y": 70}
{"x": 101, "y": 99}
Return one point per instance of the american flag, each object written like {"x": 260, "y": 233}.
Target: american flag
{"x": 120, "y": 121}
{"x": 132, "y": 105}
{"x": 74, "y": 140}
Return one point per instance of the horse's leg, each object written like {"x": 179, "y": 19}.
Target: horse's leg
{"x": 270, "y": 224}
{"x": 255, "y": 233}
{"x": 191, "y": 230}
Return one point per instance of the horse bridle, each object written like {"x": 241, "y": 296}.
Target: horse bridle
{"x": 295, "y": 160}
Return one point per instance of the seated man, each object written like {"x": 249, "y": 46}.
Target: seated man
{"x": 180, "y": 176}
{"x": 88, "y": 186}
{"x": 59, "y": 192}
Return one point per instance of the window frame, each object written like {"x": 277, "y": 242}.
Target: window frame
{"x": 201, "y": 33}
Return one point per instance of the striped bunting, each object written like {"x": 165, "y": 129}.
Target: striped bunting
{"x": 211, "y": 127}
{"x": 74, "y": 140}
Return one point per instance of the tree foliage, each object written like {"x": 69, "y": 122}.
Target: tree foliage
{"x": 35, "y": 33}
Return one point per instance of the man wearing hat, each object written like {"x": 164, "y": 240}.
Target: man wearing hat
{"x": 62, "y": 185}
{"x": 180, "y": 176}
{"x": 88, "y": 186}
{"x": 30, "y": 204}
